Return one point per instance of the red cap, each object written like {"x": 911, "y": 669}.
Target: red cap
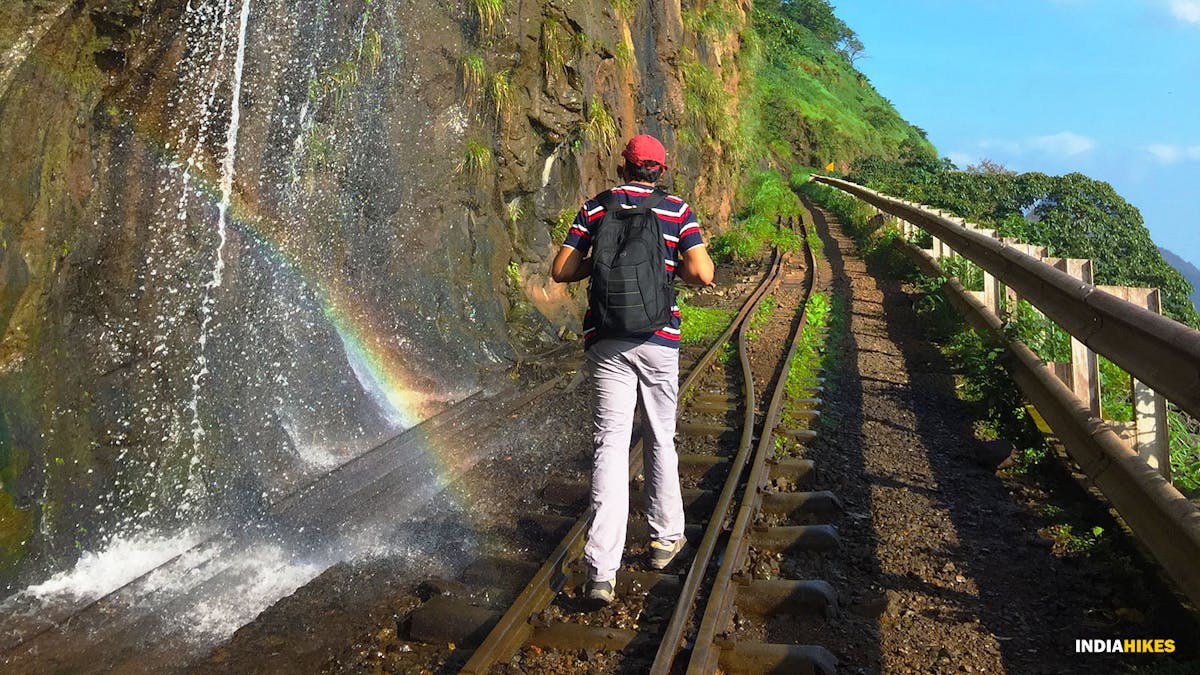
{"x": 645, "y": 149}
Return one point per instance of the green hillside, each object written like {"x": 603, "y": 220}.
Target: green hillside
{"x": 804, "y": 103}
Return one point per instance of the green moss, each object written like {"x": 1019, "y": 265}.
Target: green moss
{"x": 16, "y": 527}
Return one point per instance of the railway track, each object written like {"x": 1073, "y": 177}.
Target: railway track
{"x": 496, "y": 621}
{"x": 89, "y": 633}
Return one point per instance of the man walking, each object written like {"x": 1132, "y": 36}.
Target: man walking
{"x": 631, "y": 336}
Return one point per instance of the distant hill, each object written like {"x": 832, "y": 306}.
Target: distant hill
{"x": 1187, "y": 269}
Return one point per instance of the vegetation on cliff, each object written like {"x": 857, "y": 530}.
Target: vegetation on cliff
{"x": 803, "y": 104}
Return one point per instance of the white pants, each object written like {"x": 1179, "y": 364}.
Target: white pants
{"x": 620, "y": 372}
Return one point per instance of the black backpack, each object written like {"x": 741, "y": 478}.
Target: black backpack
{"x": 630, "y": 292}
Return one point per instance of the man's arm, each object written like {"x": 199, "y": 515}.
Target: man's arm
{"x": 569, "y": 265}
{"x": 696, "y": 267}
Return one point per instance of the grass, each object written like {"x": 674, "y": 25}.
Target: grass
{"x": 808, "y": 104}
{"x": 514, "y": 211}
{"x": 502, "y": 93}
{"x": 558, "y": 233}
{"x": 513, "y": 273}
{"x": 1067, "y": 541}
{"x": 1185, "y": 451}
{"x": 718, "y": 18}
{"x": 336, "y": 82}
{"x": 371, "y": 49}
{"x": 624, "y": 8}
{"x": 489, "y": 13}
{"x": 474, "y": 74}
{"x": 707, "y": 102}
{"x": 477, "y": 159}
{"x": 702, "y": 325}
{"x": 762, "y": 314}
{"x": 623, "y": 52}
{"x": 555, "y": 45}
{"x": 768, "y": 199}
{"x": 600, "y": 128}
{"x": 807, "y": 361}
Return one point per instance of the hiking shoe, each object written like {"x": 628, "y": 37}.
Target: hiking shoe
{"x": 601, "y": 592}
{"x": 662, "y": 554}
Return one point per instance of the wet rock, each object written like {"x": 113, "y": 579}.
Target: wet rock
{"x": 431, "y": 588}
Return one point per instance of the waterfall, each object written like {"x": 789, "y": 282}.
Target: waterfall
{"x": 228, "y": 170}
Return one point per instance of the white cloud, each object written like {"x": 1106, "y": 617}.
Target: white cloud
{"x": 1187, "y": 11}
{"x": 960, "y": 159}
{"x": 1170, "y": 154}
{"x": 1065, "y": 143}
{"x": 1167, "y": 154}
{"x": 1062, "y": 144}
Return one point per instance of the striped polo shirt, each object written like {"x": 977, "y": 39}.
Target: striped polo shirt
{"x": 680, "y": 233}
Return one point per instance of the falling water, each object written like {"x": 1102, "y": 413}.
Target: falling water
{"x": 228, "y": 168}
{"x": 291, "y": 391}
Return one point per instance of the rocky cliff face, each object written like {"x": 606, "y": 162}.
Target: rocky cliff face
{"x": 242, "y": 239}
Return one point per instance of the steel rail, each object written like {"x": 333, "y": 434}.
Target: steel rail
{"x": 1162, "y": 518}
{"x": 673, "y": 635}
{"x": 704, "y": 653}
{"x": 1164, "y": 354}
{"x": 514, "y": 628}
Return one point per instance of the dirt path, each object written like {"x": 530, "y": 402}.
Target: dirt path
{"x": 943, "y": 569}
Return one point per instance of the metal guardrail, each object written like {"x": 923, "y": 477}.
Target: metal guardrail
{"x": 1164, "y": 354}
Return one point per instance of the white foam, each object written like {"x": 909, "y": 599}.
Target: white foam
{"x": 121, "y": 561}
{"x": 262, "y": 573}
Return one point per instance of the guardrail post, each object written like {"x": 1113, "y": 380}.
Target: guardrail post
{"x": 1084, "y": 378}
{"x": 991, "y": 285}
{"x": 1011, "y": 298}
{"x": 1151, "y": 433}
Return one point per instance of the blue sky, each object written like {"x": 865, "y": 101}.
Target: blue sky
{"x": 1109, "y": 88}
